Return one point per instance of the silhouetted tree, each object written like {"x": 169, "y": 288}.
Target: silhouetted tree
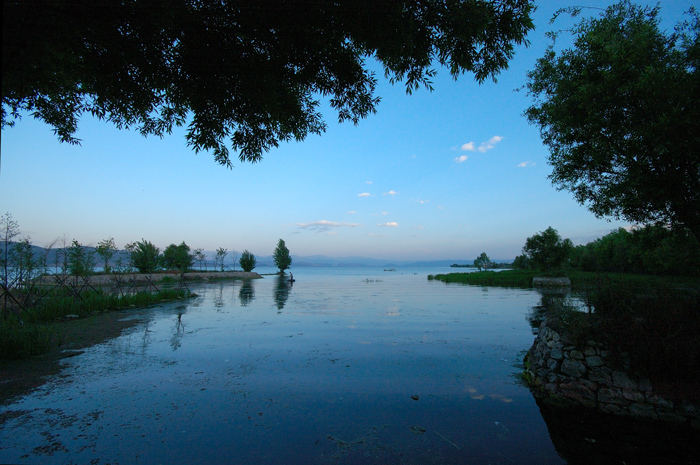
{"x": 252, "y": 71}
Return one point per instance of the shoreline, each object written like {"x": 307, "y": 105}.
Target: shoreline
{"x": 143, "y": 278}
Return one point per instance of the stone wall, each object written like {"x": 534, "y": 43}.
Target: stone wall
{"x": 589, "y": 377}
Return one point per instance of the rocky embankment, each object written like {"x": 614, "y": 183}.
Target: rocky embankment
{"x": 588, "y": 376}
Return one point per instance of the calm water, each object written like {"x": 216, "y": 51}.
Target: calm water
{"x": 354, "y": 366}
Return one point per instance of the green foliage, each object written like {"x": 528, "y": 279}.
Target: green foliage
{"x": 247, "y": 261}
{"x": 19, "y": 342}
{"x": 521, "y": 262}
{"x": 25, "y": 266}
{"x": 545, "y": 251}
{"x": 246, "y": 70}
{"x": 653, "y": 249}
{"x": 483, "y": 261}
{"x": 8, "y": 229}
{"x": 281, "y": 256}
{"x": 146, "y": 256}
{"x": 509, "y": 278}
{"x": 36, "y": 337}
{"x": 658, "y": 326}
{"x": 106, "y": 250}
{"x": 81, "y": 261}
{"x": 178, "y": 257}
{"x": 619, "y": 114}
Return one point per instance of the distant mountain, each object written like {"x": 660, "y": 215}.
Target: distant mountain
{"x": 297, "y": 260}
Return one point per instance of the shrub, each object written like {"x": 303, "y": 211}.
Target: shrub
{"x": 146, "y": 256}
{"x": 178, "y": 257}
{"x": 247, "y": 261}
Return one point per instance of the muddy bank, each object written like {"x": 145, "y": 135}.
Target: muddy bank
{"x": 18, "y": 377}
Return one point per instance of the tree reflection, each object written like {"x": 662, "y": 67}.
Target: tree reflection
{"x": 179, "y": 330}
{"x": 247, "y": 292}
{"x": 219, "y": 297}
{"x": 281, "y": 292}
{"x": 551, "y": 300}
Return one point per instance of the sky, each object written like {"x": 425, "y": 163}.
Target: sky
{"x": 436, "y": 175}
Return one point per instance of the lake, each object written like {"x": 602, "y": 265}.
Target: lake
{"x": 344, "y": 366}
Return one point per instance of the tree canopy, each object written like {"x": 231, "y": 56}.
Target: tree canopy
{"x": 483, "y": 261}
{"x": 281, "y": 256}
{"x": 250, "y": 71}
{"x": 619, "y": 112}
{"x": 247, "y": 261}
{"x": 545, "y": 251}
{"x": 178, "y": 257}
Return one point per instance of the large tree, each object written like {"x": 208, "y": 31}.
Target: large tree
{"x": 281, "y": 256}
{"x": 545, "y": 251}
{"x": 619, "y": 113}
{"x": 251, "y": 71}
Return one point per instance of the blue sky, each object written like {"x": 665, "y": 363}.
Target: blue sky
{"x": 446, "y": 174}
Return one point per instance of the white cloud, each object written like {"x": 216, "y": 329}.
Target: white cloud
{"x": 385, "y": 213}
{"x": 352, "y": 212}
{"x": 422, "y": 202}
{"x": 390, "y": 224}
{"x": 461, "y": 159}
{"x": 483, "y": 147}
{"x": 364, "y": 194}
{"x": 468, "y": 147}
{"x": 525, "y": 164}
{"x": 391, "y": 192}
{"x": 368, "y": 182}
{"x": 326, "y": 226}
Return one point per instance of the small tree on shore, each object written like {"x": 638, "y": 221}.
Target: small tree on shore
{"x": 81, "y": 261}
{"x": 483, "y": 261}
{"x": 146, "y": 256}
{"x": 106, "y": 250}
{"x": 247, "y": 261}
{"x": 281, "y": 256}
{"x": 220, "y": 257}
{"x": 10, "y": 229}
{"x": 199, "y": 257}
{"x": 178, "y": 257}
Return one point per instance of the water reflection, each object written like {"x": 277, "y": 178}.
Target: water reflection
{"x": 552, "y": 299}
{"x": 179, "y": 329}
{"x": 402, "y": 370}
{"x": 283, "y": 285}
{"x": 584, "y": 436}
{"x": 247, "y": 292}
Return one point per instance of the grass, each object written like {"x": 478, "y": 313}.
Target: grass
{"x": 580, "y": 280}
{"x": 37, "y": 332}
{"x": 509, "y": 278}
